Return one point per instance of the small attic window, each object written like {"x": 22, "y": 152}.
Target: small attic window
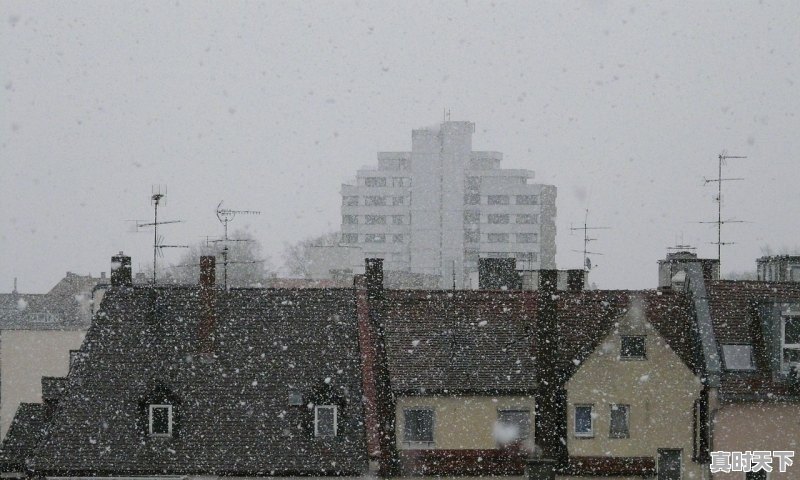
{"x": 160, "y": 420}
{"x": 738, "y": 357}
{"x": 325, "y": 421}
{"x": 633, "y": 348}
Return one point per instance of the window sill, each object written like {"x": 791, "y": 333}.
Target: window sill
{"x": 632, "y": 359}
{"x": 419, "y": 445}
{"x": 584, "y": 435}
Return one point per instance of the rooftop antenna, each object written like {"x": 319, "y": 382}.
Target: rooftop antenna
{"x": 587, "y": 262}
{"x": 225, "y": 216}
{"x": 157, "y": 195}
{"x": 722, "y": 159}
{"x": 454, "y": 274}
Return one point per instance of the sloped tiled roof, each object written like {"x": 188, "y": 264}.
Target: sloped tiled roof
{"x": 734, "y": 307}
{"x": 484, "y": 340}
{"x": 26, "y": 430}
{"x": 232, "y": 412}
{"x": 460, "y": 340}
{"x": 65, "y": 306}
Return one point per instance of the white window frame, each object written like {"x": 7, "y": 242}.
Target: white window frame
{"x": 420, "y": 443}
{"x": 335, "y": 419}
{"x": 526, "y": 411}
{"x": 150, "y": 410}
{"x": 784, "y": 345}
{"x": 632, "y": 357}
{"x": 590, "y": 433}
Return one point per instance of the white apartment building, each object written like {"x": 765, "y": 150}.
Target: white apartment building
{"x": 438, "y": 208}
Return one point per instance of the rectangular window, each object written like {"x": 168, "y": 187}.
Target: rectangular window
{"x": 527, "y": 257}
{"x": 528, "y": 218}
{"x": 527, "y": 199}
{"x": 497, "y": 238}
{"x": 375, "y": 238}
{"x": 397, "y": 238}
{"x": 583, "y": 421}
{"x": 401, "y": 182}
{"x": 497, "y": 218}
{"x": 375, "y": 201}
{"x": 669, "y": 464}
{"x": 514, "y": 425}
{"x": 497, "y": 200}
{"x": 473, "y": 183}
{"x": 350, "y": 219}
{"x": 619, "y": 421}
{"x": 633, "y": 348}
{"x": 738, "y": 357}
{"x": 418, "y": 425}
{"x": 375, "y": 181}
{"x": 349, "y": 238}
{"x": 790, "y": 340}
{"x": 472, "y": 216}
{"x": 375, "y": 220}
{"x": 472, "y": 237}
{"x": 398, "y": 219}
{"x": 295, "y": 398}
{"x": 325, "y": 421}
{"x": 472, "y": 199}
{"x": 527, "y": 237}
{"x": 350, "y": 200}
{"x": 160, "y": 420}
{"x": 398, "y": 200}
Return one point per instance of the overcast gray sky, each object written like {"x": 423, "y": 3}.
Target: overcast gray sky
{"x": 270, "y": 106}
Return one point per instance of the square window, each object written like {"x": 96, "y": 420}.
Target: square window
{"x": 375, "y": 201}
{"x": 633, "y": 348}
{"x": 418, "y": 425}
{"x": 738, "y": 357}
{"x": 497, "y": 200}
{"x": 398, "y": 200}
{"x": 619, "y": 421}
{"x": 397, "y": 238}
{"x": 325, "y": 422}
{"x": 350, "y": 219}
{"x": 527, "y": 199}
{"x": 349, "y": 238}
{"x": 472, "y": 237}
{"x": 295, "y": 398}
{"x": 472, "y": 199}
{"x": 513, "y": 425}
{"x": 472, "y": 216}
{"x": 497, "y": 218}
{"x": 398, "y": 219}
{"x": 583, "y": 421}
{"x": 375, "y": 181}
{"x": 160, "y": 420}
{"x": 375, "y": 220}
{"x": 497, "y": 238}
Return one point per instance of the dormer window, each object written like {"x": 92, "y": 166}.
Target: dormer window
{"x": 738, "y": 357}
{"x": 790, "y": 342}
{"x": 633, "y": 348}
{"x": 160, "y": 420}
{"x": 325, "y": 421}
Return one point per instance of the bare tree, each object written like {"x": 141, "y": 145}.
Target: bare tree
{"x": 296, "y": 261}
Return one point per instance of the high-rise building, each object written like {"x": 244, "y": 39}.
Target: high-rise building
{"x": 440, "y": 207}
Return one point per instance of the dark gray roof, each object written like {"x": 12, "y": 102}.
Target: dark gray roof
{"x": 26, "y": 430}
{"x": 458, "y": 341}
{"x": 65, "y": 306}
{"x": 232, "y": 412}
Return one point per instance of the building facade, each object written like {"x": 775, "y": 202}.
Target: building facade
{"x": 440, "y": 207}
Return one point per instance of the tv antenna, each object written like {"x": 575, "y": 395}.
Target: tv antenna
{"x": 587, "y": 262}
{"x": 158, "y": 241}
{"x": 722, "y": 159}
{"x": 225, "y": 216}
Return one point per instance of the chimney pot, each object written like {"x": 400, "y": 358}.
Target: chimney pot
{"x": 121, "y": 270}
{"x": 374, "y": 274}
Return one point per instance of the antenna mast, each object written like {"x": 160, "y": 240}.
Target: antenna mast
{"x": 587, "y": 263}
{"x": 722, "y": 160}
{"x": 226, "y": 216}
{"x": 156, "y": 197}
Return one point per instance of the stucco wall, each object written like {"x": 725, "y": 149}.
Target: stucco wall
{"x": 462, "y": 422}
{"x": 25, "y": 357}
{"x": 660, "y": 391}
{"x": 748, "y": 427}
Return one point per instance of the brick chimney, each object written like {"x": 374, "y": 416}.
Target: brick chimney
{"x": 208, "y": 305}
{"x": 551, "y": 419}
{"x": 121, "y": 270}
{"x": 380, "y": 404}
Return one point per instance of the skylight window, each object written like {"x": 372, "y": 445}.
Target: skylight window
{"x": 738, "y": 357}
{"x": 160, "y": 420}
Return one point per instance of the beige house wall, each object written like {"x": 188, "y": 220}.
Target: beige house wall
{"x": 25, "y": 357}
{"x": 660, "y": 391}
{"x": 461, "y": 422}
{"x": 745, "y": 427}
